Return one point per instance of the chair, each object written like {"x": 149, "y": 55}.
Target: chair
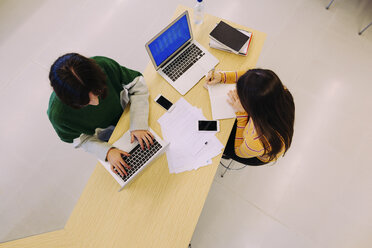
{"x": 360, "y": 32}
{"x": 226, "y": 168}
{"x": 246, "y": 162}
{"x": 229, "y": 153}
{"x": 329, "y": 4}
{"x": 364, "y": 29}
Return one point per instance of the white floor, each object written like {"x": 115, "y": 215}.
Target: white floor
{"x": 318, "y": 195}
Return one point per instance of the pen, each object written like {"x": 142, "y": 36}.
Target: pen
{"x": 212, "y": 74}
{"x": 209, "y": 80}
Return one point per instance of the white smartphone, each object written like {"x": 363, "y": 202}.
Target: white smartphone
{"x": 164, "y": 102}
{"x": 208, "y": 126}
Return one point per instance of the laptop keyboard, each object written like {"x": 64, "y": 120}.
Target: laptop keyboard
{"x": 138, "y": 158}
{"x": 183, "y": 62}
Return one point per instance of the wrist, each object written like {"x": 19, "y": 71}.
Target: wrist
{"x": 222, "y": 78}
{"x": 108, "y": 152}
{"x": 241, "y": 114}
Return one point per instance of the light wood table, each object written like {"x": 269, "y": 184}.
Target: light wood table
{"x": 158, "y": 209}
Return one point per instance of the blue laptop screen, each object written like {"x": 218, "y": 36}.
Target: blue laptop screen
{"x": 169, "y": 41}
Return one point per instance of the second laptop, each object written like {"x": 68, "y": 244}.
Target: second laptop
{"x": 177, "y": 57}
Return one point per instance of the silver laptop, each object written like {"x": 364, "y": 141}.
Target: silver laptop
{"x": 177, "y": 57}
{"x": 139, "y": 158}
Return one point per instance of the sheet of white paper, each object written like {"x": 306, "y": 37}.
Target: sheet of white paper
{"x": 209, "y": 151}
{"x": 188, "y": 148}
{"x": 221, "y": 109}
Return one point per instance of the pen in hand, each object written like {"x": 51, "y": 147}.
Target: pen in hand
{"x": 212, "y": 75}
{"x": 209, "y": 78}
{"x": 212, "y": 78}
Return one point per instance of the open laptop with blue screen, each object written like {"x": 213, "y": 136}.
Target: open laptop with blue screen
{"x": 177, "y": 57}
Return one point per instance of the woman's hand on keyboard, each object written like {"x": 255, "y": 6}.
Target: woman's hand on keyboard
{"x": 116, "y": 161}
{"x": 142, "y": 136}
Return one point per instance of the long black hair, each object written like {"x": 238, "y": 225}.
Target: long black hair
{"x": 73, "y": 76}
{"x": 271, "y": 107}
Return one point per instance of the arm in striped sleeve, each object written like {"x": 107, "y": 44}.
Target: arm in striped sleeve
{"x": 230, "y": 77}
{"x": 250, "y": 146}
{"x": 242, "y": 119}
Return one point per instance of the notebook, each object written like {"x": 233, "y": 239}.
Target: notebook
{"x": 221, "y": 109}
{"x": 139, "y": 158}
{"x": 177, "y": 57}
{"x": 229, "y": 36}
{"x": 243, "y": 51}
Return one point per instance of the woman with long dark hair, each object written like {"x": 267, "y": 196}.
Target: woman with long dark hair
{"x": 265, "y": 114}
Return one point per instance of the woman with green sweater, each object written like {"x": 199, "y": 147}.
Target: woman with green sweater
{"x": 89, "y": 95}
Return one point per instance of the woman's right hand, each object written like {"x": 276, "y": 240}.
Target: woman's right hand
{"x": 116, "y": 161}
{"x": 213, "y": 77}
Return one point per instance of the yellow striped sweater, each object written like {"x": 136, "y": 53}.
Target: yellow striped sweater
{"x": 247, "y": 141}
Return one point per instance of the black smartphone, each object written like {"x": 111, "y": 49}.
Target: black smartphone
{"x": 164, "y": 102}
{"x": 208, "y": 126}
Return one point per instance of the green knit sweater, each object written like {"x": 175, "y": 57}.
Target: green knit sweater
{"x": 70, "y": 123}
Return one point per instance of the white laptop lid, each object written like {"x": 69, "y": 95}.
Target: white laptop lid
{"x": 170, "y": 40}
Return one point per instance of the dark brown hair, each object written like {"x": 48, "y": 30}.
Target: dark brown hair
{"x": 73, "y": 76}
{"x": 271, "y": 107}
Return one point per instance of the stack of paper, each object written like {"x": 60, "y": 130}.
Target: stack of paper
{"x": 188, "y": 148}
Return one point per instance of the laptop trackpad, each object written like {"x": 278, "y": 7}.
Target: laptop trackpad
{"x": 195, "y": 74}
{"x": 189, "y": 79}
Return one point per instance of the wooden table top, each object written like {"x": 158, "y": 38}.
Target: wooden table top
{"x": 158, "y": 209}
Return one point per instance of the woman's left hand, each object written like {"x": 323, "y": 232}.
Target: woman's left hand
{"x": 143, "y": 136}
{"x": 234, "y": 101}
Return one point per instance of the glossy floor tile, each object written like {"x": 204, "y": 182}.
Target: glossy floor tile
{"x": 318, "y": 195}
{"x": 230, "y": 225}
